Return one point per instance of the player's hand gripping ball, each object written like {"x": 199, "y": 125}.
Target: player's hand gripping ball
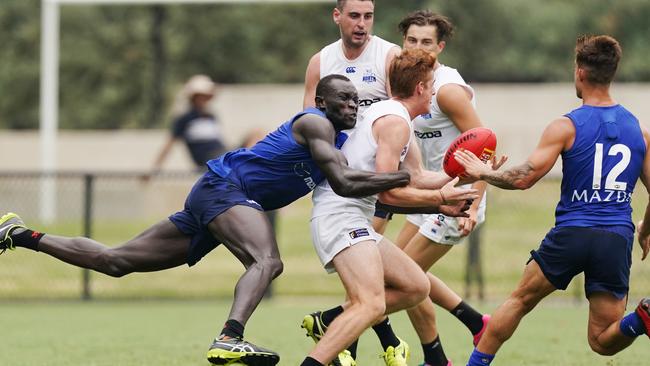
{"x": 480, "y": 140}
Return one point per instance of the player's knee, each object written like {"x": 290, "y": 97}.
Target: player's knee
{"x": 370, "y": 304}
{"x": 375, "y": 309}
{"x": 600, "y": 349}
{"x": 422, "y": 288}
{"x": 417, "y": 290}
{"x": 273, "y": 265}
{"x": 523, "y": 302}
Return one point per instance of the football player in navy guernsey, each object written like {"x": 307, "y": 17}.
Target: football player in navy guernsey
{"x": 223, "y": 206}
{"x": 604, "y": 152}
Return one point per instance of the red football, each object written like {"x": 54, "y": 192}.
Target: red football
{"x": 481, "y": 141}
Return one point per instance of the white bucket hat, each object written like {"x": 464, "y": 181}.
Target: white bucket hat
{"x": 200, "y": 84}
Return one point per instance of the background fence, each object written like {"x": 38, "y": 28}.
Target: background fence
{"x": 121, "y": 205}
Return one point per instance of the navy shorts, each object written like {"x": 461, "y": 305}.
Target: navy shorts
{"x": 604, "y": 254}
{"x": 209, "y": 198}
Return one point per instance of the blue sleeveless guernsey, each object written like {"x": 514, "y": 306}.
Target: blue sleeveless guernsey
{"x": 277, "y": 170}
{"x": 601, "y": 168}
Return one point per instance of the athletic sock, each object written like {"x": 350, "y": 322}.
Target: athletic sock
{"x": 328, "y": 316}
{"x": 479, "y": 359}
{"x": 26, "y": 238}
{"x": 386, "y": 335}
{"x": 353, "y": 349}
{"x": 434, "y": 355}
{"x": 472, "y": 319}
{"x": 233, "y": 329}
{"x": 632, "y": 325}
{"x": 310, "y": 362}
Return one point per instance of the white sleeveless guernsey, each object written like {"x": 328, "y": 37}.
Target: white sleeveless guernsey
{"x": 434, "y": 131}
{"x": 360, "y": 150}
{"x": 367, "y": 72}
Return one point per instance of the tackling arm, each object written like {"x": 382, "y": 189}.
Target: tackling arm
{"x": 557, "y": 137}
{"x": 318, "y": 134}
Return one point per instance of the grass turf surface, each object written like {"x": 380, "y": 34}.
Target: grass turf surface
{"x": 179, "y": 332}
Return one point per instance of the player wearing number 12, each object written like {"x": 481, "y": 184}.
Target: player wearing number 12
{"x": 604, "y": 151}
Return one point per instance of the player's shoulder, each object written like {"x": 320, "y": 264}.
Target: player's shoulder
{"x": 561, "y": 128}
{"x": 329, "y": 48}
{"x": 312, "y": 124}
{"x": 383, "y": 42}
{"x": 445, "y": 75}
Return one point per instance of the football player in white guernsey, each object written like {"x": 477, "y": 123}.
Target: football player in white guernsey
{"x": 387, "y": 281}
{"x": 428, "y": 237}
{"x": 362, "y": 57}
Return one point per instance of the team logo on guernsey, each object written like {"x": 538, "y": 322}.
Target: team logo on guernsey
{"x": 368, "y": 102}
{"x": 303, "y": 170}
{"x": 369, "y": 76}
{"x": 427, "y": 134}
{"x": 359, "y": 233}
{"x": 350, "y": 69}
{"x": 426, "y": 115}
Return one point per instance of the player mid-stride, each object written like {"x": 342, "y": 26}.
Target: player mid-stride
{"x": 604, "y": 152}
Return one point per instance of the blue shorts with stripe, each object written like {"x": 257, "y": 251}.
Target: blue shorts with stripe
{"x": 211, "y": 196}
{"x": 603, "y": 253}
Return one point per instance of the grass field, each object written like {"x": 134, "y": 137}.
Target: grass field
{"x": 142, "y": 333}
{"x": 168, "y": 318}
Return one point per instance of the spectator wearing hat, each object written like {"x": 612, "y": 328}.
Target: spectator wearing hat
{"x": 198, "y": 127}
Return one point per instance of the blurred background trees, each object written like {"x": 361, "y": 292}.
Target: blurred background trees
{"x": 120, "y": 65}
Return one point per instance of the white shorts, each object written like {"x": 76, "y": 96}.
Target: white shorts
{"x": 441, "y": 229}
{"x": 333, "y": 233}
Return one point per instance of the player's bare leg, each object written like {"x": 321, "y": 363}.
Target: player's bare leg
{"x": 258, "y": 251}
{"x": 603, "y": 332}
{"x": 532, "y": 288}
{"x": 160, "y": 247}
{"x": 423, "y": 317}
{"x": 364, "y": 286}
{"x": 405, "y": 235}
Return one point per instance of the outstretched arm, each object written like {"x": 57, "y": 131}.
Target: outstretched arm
{"x": 318, "y": 135}
{"x": 558, "y": 136}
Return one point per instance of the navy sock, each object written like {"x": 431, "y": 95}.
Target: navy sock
{"x": 385, "y": 333}
{"x": 472, "y": 319}
{"x": 310, "y": 362}
{"x": 233, "y": 329}
{"x": 434, "y": 355}
{"x": 328, "y": 316}
{"x": 353, "y": 349}
{"x": 26, "y": 238}
{"x": 632, "y": 325}
{"x": 480, "y": 359}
